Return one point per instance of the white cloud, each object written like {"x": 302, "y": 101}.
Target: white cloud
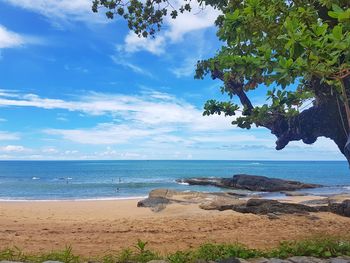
{"x": 133, "y": 43}
{"x": 191, "y": 22}
{"x": 148, "y": 125}
{"x": 9, "y": 39}
{"x": 173, "y": 30}
{"x": 149, "y": 108}
{"x": 106, "y": 133}
{"x": 49, "y": 150}
{"x": 60, "y": 10}
{"x": 7, "y": 136}
{"x": 123, "y": 62}
{"x": 13, "y": 148}
{"x": 187, "y": 68}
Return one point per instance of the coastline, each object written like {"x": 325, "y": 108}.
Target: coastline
{"x": 94, "y": 227}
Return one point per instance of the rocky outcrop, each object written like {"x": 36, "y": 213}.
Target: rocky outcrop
{"x": 265, "y": 207}
{"x": 251, "y": 182}
{"x": 159, "y": 198}
{"x": 342, "y": 208}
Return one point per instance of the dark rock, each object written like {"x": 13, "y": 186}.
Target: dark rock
{"x": 277, "y": 260}
{"x": 302, "y": 259}
{"x": 250, "y": 182}
{"x": 313, "y": 217}
{"x": 259, "y": 260}
{"x": 323, "y": 201}
{"x": 153, "y": 202}
{"x": 289, "y": 193}
{"x": 221, "y": 204}
{"x": 340, "y": 260}
{"x": 230, "y": 260}
{"x": 272, "y": 216}
{"x": 266, "y": 184}
{"x": 342, "y": 208}
{"x": 219, "y": 182}
{"x": 264, "y": 207}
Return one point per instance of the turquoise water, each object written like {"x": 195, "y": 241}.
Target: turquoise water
{"x": 60, "y": 180}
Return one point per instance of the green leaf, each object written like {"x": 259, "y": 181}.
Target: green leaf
{"x": 337, "y": 32}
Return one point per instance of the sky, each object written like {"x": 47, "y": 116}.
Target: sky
{"x": 75, "y": 85}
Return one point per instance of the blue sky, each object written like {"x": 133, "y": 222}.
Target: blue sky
{"x": 76, "y": 86}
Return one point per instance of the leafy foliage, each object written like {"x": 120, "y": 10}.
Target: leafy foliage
{"x": 298, "y": 51}
{"x": 279, "y": 43}
{"x": 320, "y": 248}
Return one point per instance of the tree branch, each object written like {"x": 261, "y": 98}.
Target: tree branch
{"x": 235, "y": 88}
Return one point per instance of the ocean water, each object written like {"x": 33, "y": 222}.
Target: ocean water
{"x": 75, "y": 180}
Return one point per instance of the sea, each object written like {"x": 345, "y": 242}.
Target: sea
{"x": 110, "y": 180}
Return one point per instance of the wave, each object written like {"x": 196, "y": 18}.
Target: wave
{"x": 35, "y": 178}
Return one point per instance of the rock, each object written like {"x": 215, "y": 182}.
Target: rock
{"x": 164, "y": 193}
{"x": 214, "y": 181}
{"x": 232, "y": 260}
{"x": 221, "y": 204}
{"x": 155, "y": 203}
{"x": 259, "y": 260}
{"x": 313, "y": 217}
{"x": 305, "y": 260}
{"x": 272, "y": 216}
{"x": 342, "y": 208}
{"x": 290, "y": 193}
{"x": 323, "y": 201}
{"x": 264, "y": 207}
{"x": 158, "y": 199}
{"x": 266, "y": 184}
{"x": 277, "y": 260}
{"x": 340, "y": 260}
{"x": 250, "y": 182}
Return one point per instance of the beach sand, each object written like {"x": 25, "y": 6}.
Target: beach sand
{"x": 95, "y": 227}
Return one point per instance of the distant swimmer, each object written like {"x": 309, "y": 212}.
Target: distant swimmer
{"x": 117, "y": 190}
{"x": 120, "y": 180}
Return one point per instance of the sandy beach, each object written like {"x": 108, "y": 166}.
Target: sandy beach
{"x": 95, "y": 227}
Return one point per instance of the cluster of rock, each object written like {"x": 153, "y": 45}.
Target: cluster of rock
{"x": 250, "y": 182}
{"x": 243, "y": 202}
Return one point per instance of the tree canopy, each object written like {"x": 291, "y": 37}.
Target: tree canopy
{"x": 298, "y": 50}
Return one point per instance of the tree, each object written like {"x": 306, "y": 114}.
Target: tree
{"x": 273, "y": 45}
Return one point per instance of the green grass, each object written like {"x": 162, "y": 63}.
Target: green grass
{"x": 321, "y": 248}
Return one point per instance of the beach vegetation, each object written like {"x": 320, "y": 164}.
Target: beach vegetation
{"x": 318, "y": 247}
{"x": 296, "y": 52}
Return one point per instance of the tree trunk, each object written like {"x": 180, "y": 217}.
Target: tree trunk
{"x": 327, "y": 118}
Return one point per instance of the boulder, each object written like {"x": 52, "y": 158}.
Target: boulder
{"x": 152, "y": 201}
{"x": 342, "y": 208}
{"x": 221, "y": 204}
{"x": 250, "y": 182}
{"x": 159, "y": 198}
{"x": 265, "y": 207}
